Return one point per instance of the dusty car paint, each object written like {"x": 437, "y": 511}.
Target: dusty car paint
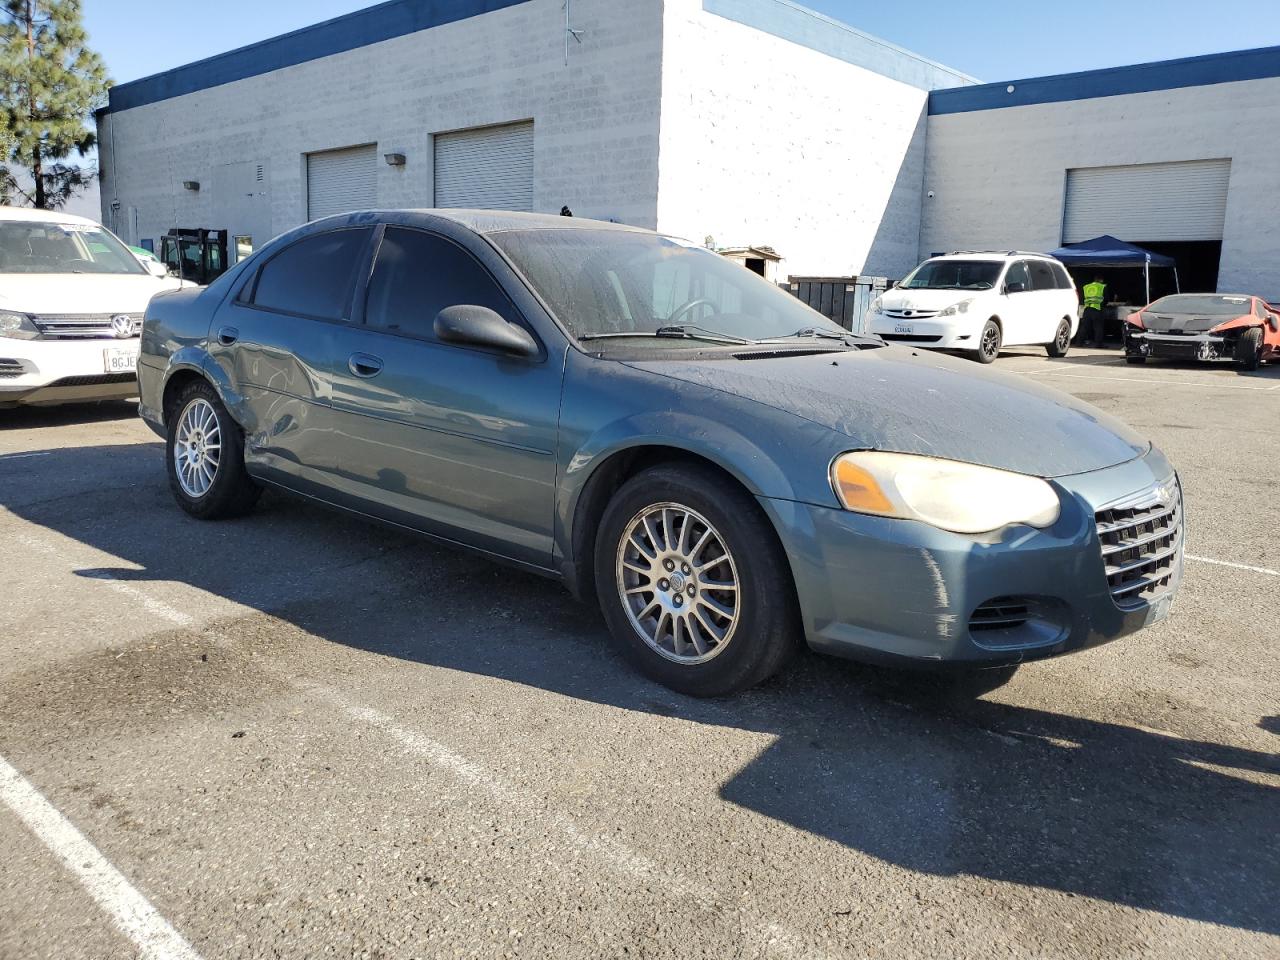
{"x": 507, "y": 455}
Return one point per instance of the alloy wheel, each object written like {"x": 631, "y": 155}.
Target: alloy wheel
{"x": 678, "y": 583}
{"x": 197, "y": 448}
{"x": 990, "y": 341}
{"x": 1064, "y": 338}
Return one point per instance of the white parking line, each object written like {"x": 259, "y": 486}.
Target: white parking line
{"x": 23, "y": 456}
{"x": 153, "y": 606}
{"x": 131, "y": 911}
{"x": 1266, "y": 571}
{"x": 1150, "y": 380}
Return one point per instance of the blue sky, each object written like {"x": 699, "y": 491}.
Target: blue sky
{"x": 990, "y": 39}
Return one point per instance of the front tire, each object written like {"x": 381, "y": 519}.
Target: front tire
{"x": 1061, "y": 341}
{"x": 988, "y": 343}
{"x": 204, "y": 455}
{"x": 693, "y": 582}
{"x": 1249, "y": 349}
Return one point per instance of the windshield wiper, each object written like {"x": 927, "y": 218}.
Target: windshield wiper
{"x": 815, "y": 332}
{"x": 683, "y": 331}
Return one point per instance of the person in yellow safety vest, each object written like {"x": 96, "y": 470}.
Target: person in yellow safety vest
{"x": 1091, "y": 324}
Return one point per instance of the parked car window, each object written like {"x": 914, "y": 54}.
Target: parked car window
{"x": 954, "y": 275}
{"x": 313, "y": 277}
{"x": 1042, "y": 276}
{"x": 33, "y": 246}
{"x": 1064, "y": 279}
{"x": 1018, "y": 274}
{"x": 1205, "y": 304}
{"x": 417, "y": 275}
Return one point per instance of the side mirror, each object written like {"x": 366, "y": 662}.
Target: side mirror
{"x": 156, "y": 268}
{"x": 475, "y": 326}
{"x": 1016, "y": 287}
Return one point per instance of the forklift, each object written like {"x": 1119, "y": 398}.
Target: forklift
{"x": 195, "y": 254}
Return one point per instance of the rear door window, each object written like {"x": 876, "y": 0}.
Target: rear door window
{"x": 313, "y": 277}
{"x": 1064, "y": 279}
{"x": 1042, "y": 275}
{"x": 1018, "y": 274}
{"x": 418, "y": 274}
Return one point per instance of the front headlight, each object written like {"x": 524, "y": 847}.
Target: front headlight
{"x": 955, "y": 308}
{"x": 17, "y": 326}
{"x": 960, "y": 497}
{"x": 877, "y": 305}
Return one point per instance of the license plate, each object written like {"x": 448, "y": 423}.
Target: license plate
{"x": 116, "y": 360}
{"x": 903, "y": 328}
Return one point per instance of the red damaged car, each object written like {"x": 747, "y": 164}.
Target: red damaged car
{"x": 1205, "y": 326}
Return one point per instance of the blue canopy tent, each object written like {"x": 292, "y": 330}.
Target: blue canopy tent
{"x": 1110, "y": 252}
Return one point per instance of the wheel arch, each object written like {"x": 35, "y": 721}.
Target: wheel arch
{"x": 606, "y": 477}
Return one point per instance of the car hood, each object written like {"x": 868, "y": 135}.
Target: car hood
{"x": 905, "y": 401}
{"x": 1183, "y": 322}
{"x": 70, "y": 293}
{"x": 900, "y": 299}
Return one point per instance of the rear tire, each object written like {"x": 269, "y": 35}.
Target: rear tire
{"x": 989, "y": 341}
{"x": 204, "y": 456}
{"x": 1061, "y": 341}
{"x": 703, "y": 628}
{"x": 1249, "y": 349}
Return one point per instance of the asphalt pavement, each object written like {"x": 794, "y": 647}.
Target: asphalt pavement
{"x": 299, "y": 735}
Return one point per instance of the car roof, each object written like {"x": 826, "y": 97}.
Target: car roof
{"x": 43, "y": 216}
{"x": 996, "y": 256}
{"x": 497, "y": 221}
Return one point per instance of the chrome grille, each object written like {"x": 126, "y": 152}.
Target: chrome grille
{"x": 85, "y": 326}
{"x": 911, "y": 314}
{"x": 1141, "y": 540}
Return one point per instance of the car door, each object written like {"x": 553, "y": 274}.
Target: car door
{"x": 1044, "y": 313}
{"x": 1019, "y": 308}
{"x": 453, "y": 440}
{"x": 274, "y": 344}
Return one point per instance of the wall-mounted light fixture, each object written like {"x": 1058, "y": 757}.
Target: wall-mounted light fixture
{"x": 191, "y": 185}
{"x": 394, "y": 159}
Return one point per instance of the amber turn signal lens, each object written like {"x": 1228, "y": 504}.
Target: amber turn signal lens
{"x": 858, "y": 490}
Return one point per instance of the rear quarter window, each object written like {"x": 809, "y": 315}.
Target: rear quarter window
{"x": 313, "y": 277}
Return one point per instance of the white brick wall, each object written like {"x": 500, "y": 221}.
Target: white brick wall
{"x": 764, "y": 141}
{"x": 595, "y": 120}
{"x": 998, "y": 176}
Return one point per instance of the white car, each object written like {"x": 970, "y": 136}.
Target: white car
{"x": 980, "y": 302}
{"x": 72, "y": 298}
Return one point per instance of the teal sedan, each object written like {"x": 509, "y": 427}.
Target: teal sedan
{"x": 727, "y": 473}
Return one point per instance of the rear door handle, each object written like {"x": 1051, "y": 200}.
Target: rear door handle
{"x": 228, "y": 335}
{"x": 364, "y": 365}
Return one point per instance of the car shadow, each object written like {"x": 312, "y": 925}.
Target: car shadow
{"x": 887, "y": 764}
{"x": 1115, "y": 358}
{"x": 29, "y": 418}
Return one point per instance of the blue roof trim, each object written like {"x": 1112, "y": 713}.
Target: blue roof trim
{"x": 790, "y": 21}
{"x": 359, "y": 29}
{"x": 1257, "y": 64}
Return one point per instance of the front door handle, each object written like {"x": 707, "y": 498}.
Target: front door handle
{"x": 228, "y": 335}
{"x": 364, "y": 365}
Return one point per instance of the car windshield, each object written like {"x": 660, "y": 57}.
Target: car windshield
{"x": 1204, "y": 304}
{"x": 954, "y": 275}
{"x": 610, "y": 283}
{"x": 32, "y": 246}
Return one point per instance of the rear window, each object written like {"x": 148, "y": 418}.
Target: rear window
{"x": 313, "y": 277}
{"x": 1042, "y": 275}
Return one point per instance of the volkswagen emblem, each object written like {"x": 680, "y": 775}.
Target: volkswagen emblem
{"x": 122, "y": 326}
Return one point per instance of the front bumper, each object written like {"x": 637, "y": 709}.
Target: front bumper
{"x": 62, "y": 371}
{"x": 932, "y": 333}
{"x": 1197, "y": 346}
{"x": 902, "y": 592}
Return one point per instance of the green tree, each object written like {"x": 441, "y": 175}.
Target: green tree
{"x": 51, "y": 84}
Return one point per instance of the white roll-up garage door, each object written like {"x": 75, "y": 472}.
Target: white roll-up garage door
{"x": 488, "y": 168}
{"x": 1148, "y": 201}
{"x": 339, "y": 181}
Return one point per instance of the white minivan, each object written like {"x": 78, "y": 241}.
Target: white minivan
{"x": 979, "y": 302}
{"x": 72, "y": 298}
